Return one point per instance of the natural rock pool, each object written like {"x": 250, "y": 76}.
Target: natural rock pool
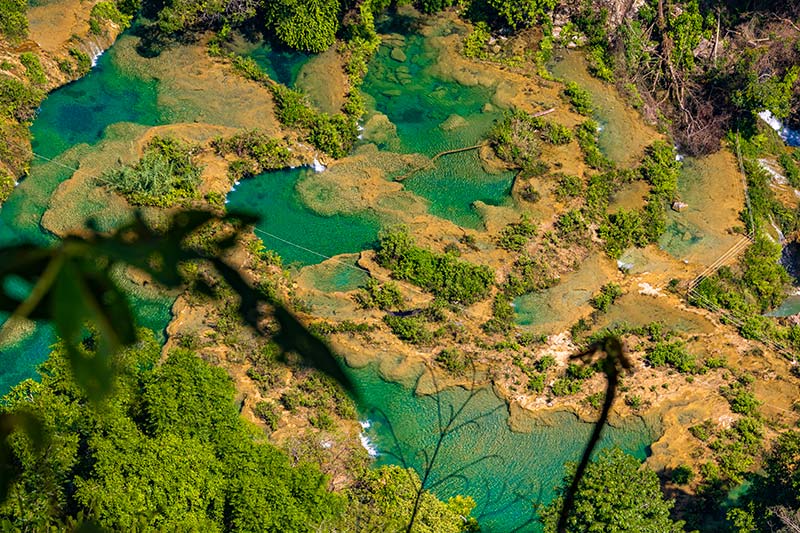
{"x": 118, "y": 100}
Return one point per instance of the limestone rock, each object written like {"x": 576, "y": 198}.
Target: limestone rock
{"x": 398, "y": 54}
{"x": 453, "y": 122}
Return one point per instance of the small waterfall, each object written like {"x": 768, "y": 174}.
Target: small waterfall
{"x": 792, "y": 137}
{"x": 777, "y": 176}
{"x": 317, "y": 166}
{"x": 778, "y": 232}
{"x": 372, "y": 451}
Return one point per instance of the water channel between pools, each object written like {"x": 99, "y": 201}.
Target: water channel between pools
{"x": 119, "y": 96}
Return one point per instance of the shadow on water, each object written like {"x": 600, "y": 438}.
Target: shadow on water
{"x": 506, "y": 472}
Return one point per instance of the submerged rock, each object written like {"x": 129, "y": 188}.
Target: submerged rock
{"x": 453, "y": 122}
{"x": 398, "y": 54}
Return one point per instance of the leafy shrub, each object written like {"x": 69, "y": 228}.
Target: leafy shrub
{"x": 621, "y": 230}
{"x": 476, "y": 41}
{"x": 502, "y": 320}
{"x": 606, "y": 297}
{"x": 107, "y": 11}
{"x": 304, "y": 25}
{"x": 660, "y": 168}
{"x": 409, "y": 328}
{"x": 165, "y": 175}
{"x": 529, "y": 274}
{"x": 453, "y": 359}
{"x": 634, "y": 401}
{"x": 260, "y": 151}
{"x": 84, "y": 62}
{"x": 515, "y": 236}
{"x": 569, "y": 186}
{"x": 579, "y": 372}
{"x": 579, "y": 97}
{"x": 703, "y": 431}
{"x": 6, "y": 185}
{"x": 790, "y": 169}
{"x": 586, "y": 134}
{"x": 741, "y": 400}
{"x": 555, "y": 133}
{"x": 682, "y": 475}
{"x": 381, "y": 296}
{"x": 764, "y": 275}
{"x": 443, "y": 275}
{"x": 13, "y": 21}
{"x": 565, "y": 387}
{"x": 544, "y": 363}
{"x": 33, "y": 68}
{"x": 536, "y": 382}
{"x": 571, "y": 225}
{"x": 672, "y": 354}
{"x": 17, "y": 100}
{"x": 333, "y": 134}
{"x": 716, "y": 362}
{"x": 268, "y": 412}
{"x": 247, "y": 67}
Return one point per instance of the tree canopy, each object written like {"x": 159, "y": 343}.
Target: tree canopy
{"x": 167, "y": 451}
{"x": 616, "y": 494}
{"x": 308, "y": 25}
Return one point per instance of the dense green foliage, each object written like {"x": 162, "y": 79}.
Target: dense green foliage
{"x": 608, "y": 294}
{"x": 6, "y": 185}
{"x": 333, "y": 134}
{"x": 384, "y": 498}
{"x": 476, "y": 42}
{"x": 615, "y": 494}
{"x": 516, "y": 235}
{"x": 173, "y": 434}
{"x": 673, "y": 354}
{"x": 18, "y": 101}
{"x": 778, "y": 487}
{"x": 82, "y": 60}
{"x": 411, "y": 328}
{"x": 586, "y": 134}
{"x": 305, "y": 24}
{"x": 517, "y": 139}
{"x": 441, "y": 274}
{"x": 33, "y": 68}
{"x": 164, "y": 176}
{"x": 106, "y": 10}
{"x": 579, "y": 97}
{"x": 13, "y": 21}
{"x": 376, "y": 295}
{"x": 256, "y": 152}
{"x": 660, "y": 169}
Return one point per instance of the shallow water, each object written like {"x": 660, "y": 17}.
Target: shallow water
{"x": 433, "y": 115}
{"x": 298, "y": 234}
{"x": 280, "y": 64}
{"x": 623, "y": 135}
{"x": 510, "y": 471}
{"x": 522, "y": 468}
{"x": 712, "y": 188}
{"x": 70, "y": 122}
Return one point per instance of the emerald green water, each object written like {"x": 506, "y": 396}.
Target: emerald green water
{"x": 505, "y": 472}
{"x": 298, "y": 234}
{"x": 71, "y": 120}
{"x": 520, "y": 468}
{"x": 281, "y": 64}
{"x": 419, "y": 103}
